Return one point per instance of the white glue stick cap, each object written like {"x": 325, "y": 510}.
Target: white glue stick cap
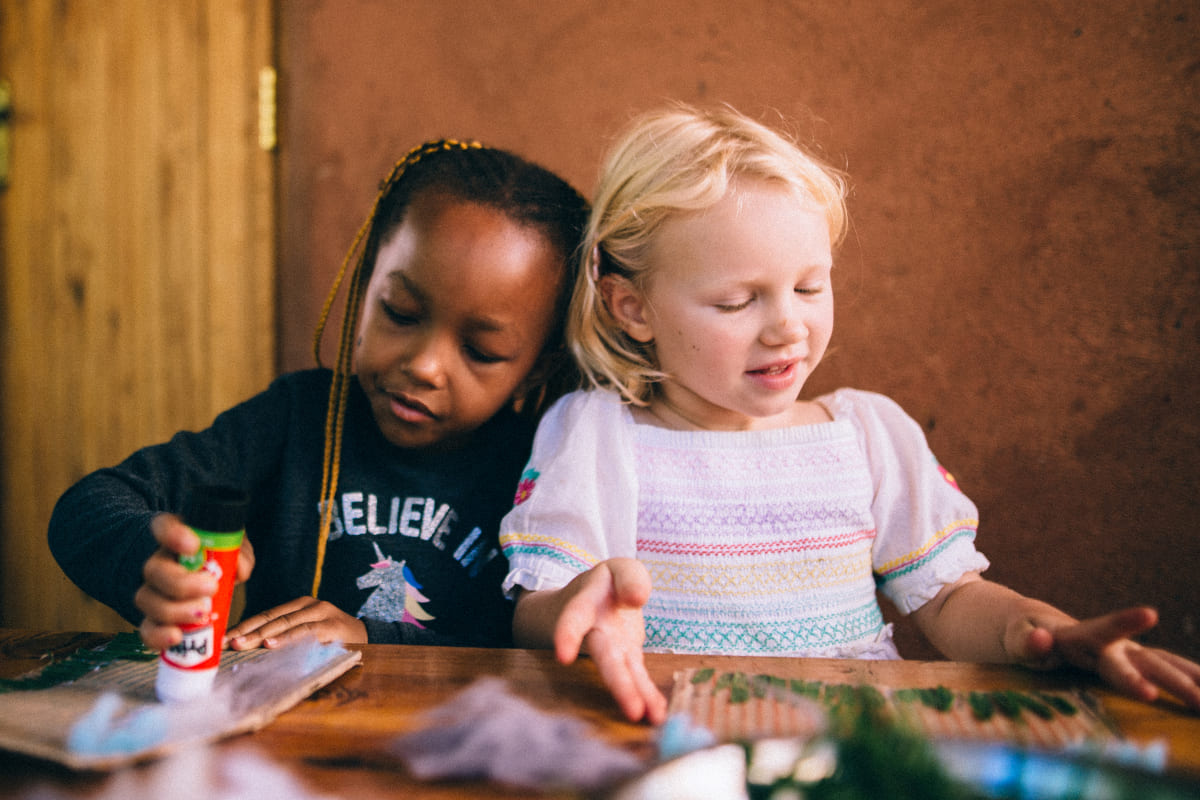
{"x": 175, "y": 685}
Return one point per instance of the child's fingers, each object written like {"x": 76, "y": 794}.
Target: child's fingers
{"x": 298, "y": 619}
{"x": 568, "y": 635}
{"x": 170, "y": 579}
{"x": 159, "y": 637}
{"x": 1030, "y": 645}
{"x": 1119, "y": 670}
{"x": 656, "y": 701}
{"x": 616, "y": 676}
{"x": 163, "y": 573}
{"x": 1153, "y": 669}
{"x": 1190, "y": 669}
{"x": 581, "y": 612}
{"x": 249, "y": 641}
{"x": 624, "y": 673}
{"x": 1089, "y": 643}
{"x": 165, "y": 610}
{"x": 1098, "y": 632}
{"x": 171, "y": 534}
{"x": 631, "y": 581}
{"x": 162, "y": 617}
{"x": 245, "y": 564}
{"x": 250, "y": 632}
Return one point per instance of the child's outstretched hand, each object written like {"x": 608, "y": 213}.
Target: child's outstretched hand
{"x": 974, "y": 619}
{"x": 600, "y": 613}
{"x": 301, "y": 618}
{"x": 604, "y": 617}
{"x": 171, "y": 595}
{"x": 1103, "y": 645}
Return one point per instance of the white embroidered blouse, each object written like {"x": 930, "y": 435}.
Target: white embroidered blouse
{"x": 765, "y": 542}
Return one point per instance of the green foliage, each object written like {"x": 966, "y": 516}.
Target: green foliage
{"x": 876, "y": 758}
{"x": 124, "y": 646}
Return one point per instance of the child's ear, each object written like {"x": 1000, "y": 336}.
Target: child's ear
{"x": 628, "y": 307}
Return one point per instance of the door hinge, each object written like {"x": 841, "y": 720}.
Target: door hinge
{"x": 267, "y": 137}
{"x": 5, "y": 132}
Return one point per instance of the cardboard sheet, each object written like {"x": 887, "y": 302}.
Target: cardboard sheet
{"x": 737, "y": 706}
{"x": 110, "y": 717}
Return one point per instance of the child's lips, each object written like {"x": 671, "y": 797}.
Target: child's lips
{"x": 777, "y": 369}
{"x": 409, "y": 409}
{"x": 778, "y": 376}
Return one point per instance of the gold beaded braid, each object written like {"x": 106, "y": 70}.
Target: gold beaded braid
{"x": 339, "y": 389}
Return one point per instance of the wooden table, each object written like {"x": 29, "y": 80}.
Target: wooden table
{"x": 336, "y": 742}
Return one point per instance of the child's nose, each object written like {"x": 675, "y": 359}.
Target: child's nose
{"x": 784, "y": 326}
{"x": 426, "y": 362}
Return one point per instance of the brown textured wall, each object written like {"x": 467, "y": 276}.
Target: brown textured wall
{"x": 1022, "y": 274}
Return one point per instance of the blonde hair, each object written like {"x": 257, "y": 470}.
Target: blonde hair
{"x": 673, "y": 160}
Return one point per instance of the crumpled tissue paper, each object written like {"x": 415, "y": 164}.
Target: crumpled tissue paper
{"x": 487, "y": 732}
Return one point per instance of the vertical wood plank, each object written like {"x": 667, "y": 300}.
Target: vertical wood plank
{"x": 26, "y": 32}
{"x": 240, "y": 321}
{"x": 138, "y": 253}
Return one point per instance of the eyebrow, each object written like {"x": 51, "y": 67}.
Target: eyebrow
{"x": 484, "y": 324}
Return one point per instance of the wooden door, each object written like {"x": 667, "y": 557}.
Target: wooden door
{"x": 138, "y": 252}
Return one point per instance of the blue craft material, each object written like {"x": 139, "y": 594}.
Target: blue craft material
{"x": 101, "y": 732}
{"x": 109, "y": 729}
{"x": 679, "y": 736}
{"x": 318, "y": 655}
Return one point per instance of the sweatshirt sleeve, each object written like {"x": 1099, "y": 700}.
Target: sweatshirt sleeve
{"x": 99, "y": 532}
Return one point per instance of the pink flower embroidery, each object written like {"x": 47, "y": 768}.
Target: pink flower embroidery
{"x": 525, "y": 487}
{"x": 948, "y": 477}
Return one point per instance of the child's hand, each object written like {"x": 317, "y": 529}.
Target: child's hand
{"x": 246, "y": 561}
{"x": 976, "y": 620}
{"x": 302, "y": 617}
{"x": 171, "y": 595}
{"x": 1102, "y": 645}
{"x": 603, "y": 617}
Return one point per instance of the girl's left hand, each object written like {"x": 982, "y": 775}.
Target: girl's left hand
{"x": 302, "y": 617}
{"x": 1103, "y": 645}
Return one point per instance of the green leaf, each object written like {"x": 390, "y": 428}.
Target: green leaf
{"x": 939, "y": 698}
{"x": 1059, "y": 703}
{"x": 981, "y": 705}
{"x": 1033, "y": 704}
{"x": 1006, "y": 704}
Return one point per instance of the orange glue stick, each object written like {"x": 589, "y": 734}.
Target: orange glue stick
{"x": 218, "y": 515}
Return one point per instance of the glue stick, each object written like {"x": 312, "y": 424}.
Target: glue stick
{"x": 217, "y": 514}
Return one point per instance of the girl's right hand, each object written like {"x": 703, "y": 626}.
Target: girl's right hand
{"x": 171, "y": 595}
{"x": 603, "y": 617}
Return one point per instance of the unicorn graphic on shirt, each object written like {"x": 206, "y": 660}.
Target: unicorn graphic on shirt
{"x": 397, "y": 597}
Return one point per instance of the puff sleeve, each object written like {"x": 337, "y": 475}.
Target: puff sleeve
{"x": 576, "y": 504}
{"x": 925, "y": 525}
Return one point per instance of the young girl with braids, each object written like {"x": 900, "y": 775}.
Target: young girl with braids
{"x": 690, "y": 501}
{"x": 376, "y": 487}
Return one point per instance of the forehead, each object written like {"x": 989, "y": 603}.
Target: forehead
{"x": 469, "y": 258}
{"x": 755, "y": 224}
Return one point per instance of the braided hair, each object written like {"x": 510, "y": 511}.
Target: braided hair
{"x": 527, "y": 194}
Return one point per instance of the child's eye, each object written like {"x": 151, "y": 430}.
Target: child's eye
{"x": 397, "y": 316}
{"x": 814, "y": 289}
{"x": 731, "y": 307}
{"x": 481, "y": 356}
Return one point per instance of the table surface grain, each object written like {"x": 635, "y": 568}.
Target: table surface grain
{"x": 337, "y": 741}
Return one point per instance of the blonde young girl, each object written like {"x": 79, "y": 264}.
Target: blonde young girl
{"x": 691, "y": 502}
